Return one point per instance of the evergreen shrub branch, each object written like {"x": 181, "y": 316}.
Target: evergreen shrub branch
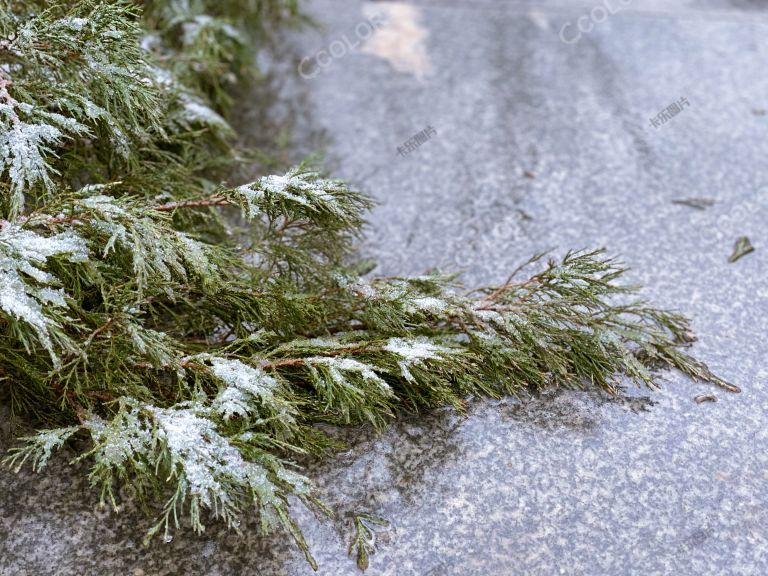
{"x": 187, "y": 336}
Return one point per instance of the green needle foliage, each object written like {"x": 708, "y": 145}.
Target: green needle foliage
{"x": 188, "y": 336}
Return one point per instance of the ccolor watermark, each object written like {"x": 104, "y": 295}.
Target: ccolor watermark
{"x": 572, "y": 32}
{"x": 311, "y": 66}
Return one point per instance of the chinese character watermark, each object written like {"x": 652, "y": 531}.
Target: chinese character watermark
{"x": 670, "y": 112}
{"x": 416, "y": 140}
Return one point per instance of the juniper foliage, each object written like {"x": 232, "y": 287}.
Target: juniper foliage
{"x": 189, "y": 336}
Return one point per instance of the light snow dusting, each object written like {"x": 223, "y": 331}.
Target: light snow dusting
{"x": 252, "y": 198}
{"x": 47, "y": 441}
{"x": 75, "y": 24}
{"x": 23, "y": 254}
{"x": 426, "y": 304}
{"x": 208, "y": 463}
{"x": 338, "y": 366}
{"x": 105, "y": 205}
{"x": 286, "y": 186}
{"x": 196, "y": 112}
{"x": 414, "y": 351}
{"x": 303, "y": 189}
{"x": 23, "y": 148}
{"x": 25, "y": 144}
{"x": 244, "y": 385}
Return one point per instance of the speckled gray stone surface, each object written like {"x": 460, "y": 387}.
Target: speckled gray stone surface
{"x": 569, "y": 483}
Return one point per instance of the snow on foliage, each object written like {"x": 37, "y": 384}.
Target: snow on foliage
{"x": 193, "y": 111}
{"x": 121, "y": 440}
{"x": 414, "y": 351}
{"x": 74, "y": 73}
{"x": 244, "y": 386}
{"x": 40, "y": 447}
{"x": 210, "y": 470}
{"x": 399, "y": 292}
{"x": 297, "y": 189}
{"x": 27, "y": 292}
{"x": 338, "y": 367}
{"x": 201, "y": 455}
{"x": 25, "y": 145}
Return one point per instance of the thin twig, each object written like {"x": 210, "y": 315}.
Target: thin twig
{"x": 215, "y": 200}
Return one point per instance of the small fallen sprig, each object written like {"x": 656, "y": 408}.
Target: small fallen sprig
{"x": 742, "y": 247}
{"x": 364, "y": 540}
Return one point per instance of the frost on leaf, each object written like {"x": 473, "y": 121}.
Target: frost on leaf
{"x": 122, "y": 440}
{"x": 40, "y": 446}
{"x": 296, "y": 190}
{"x": 413, "y": 351}
{"x": 75, "y": 71}
{"x": 244, "y": 388}
{"x": 27, "y": 290}
{"x": 152, "y": 344}
{"x": 340, "y": 369}
{"x": 101, "y": 203}
{"x": 73, "y": 24}
{"x": 157, "y": 252}
{"x": 404, "y": 293}
{"x": 26, "y": 145}
{"x": 213, "y": 472}
{"x": 188, "y": 109}
{"x": 194, "y": 112}
{"x": 182, "y": 445}
{"x": 195, "y": 255}
{"x": 198, "y": 453}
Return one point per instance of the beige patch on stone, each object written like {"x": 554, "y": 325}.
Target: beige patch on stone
{"x": 401, "y": 41}
{"x": 539, "y": 19}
